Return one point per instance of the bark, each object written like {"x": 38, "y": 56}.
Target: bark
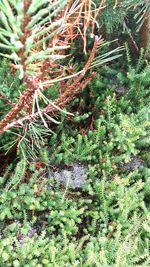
{"x": 144, "y": 32}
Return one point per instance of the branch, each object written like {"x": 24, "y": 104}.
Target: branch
{"x": 33, "y": 85}
{"x": 62, "y": 100}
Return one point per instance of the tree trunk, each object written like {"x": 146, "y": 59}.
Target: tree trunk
{"x": 144, "y": 32}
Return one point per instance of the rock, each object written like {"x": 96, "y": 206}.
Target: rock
{"x": 133, "y": 164}
{"x": 73, "y": 177}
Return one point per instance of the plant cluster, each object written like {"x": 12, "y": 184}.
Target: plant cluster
{"x": 74, "y": 190}
{"x": 127, "y": 20}
{"x": 37, "y": 37}
{"x": 105, "y": 221}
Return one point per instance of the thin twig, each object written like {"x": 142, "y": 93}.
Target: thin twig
{"x": 49, "y": 109}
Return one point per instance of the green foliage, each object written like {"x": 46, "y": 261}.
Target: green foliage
{"x": 110, "y": 217}
{"x": 122, "y": 17}
{"x": 113, "y": 131}
{"x": 104, "y": 222}
{"x": 44, "y": 224}
{"x": 33, "y": 135}
{"x": 112, "y": 18}
{"x": 10, "y": 86}
{"x": 12, "y": 19}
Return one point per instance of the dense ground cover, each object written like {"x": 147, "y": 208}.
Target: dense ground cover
{"x": 74, "y": 133}
{"x": 83, "y": 200}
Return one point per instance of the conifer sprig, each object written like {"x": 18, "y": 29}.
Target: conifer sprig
{"x": 36, "y": 35}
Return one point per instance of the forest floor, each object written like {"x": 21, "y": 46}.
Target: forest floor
{"x": 81, "y": 197}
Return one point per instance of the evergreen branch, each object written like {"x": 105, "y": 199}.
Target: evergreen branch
{"x": 25, "y": 32}
{"x": 60, "y": 102}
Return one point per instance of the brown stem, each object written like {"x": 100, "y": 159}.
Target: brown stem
{"x": 27, "y": 94}
{"x": 33, "y": 84}
{"x": 144, "y": 31}
{"x": 23, "y": 102}
{"x": 60, "y": 102}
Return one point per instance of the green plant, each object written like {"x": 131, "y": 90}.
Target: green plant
{"x": 34, "y": 43}
{"x": 43, "y": 224}
{"x": 127, "y": 20}
{"x": 104, "y": 218}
